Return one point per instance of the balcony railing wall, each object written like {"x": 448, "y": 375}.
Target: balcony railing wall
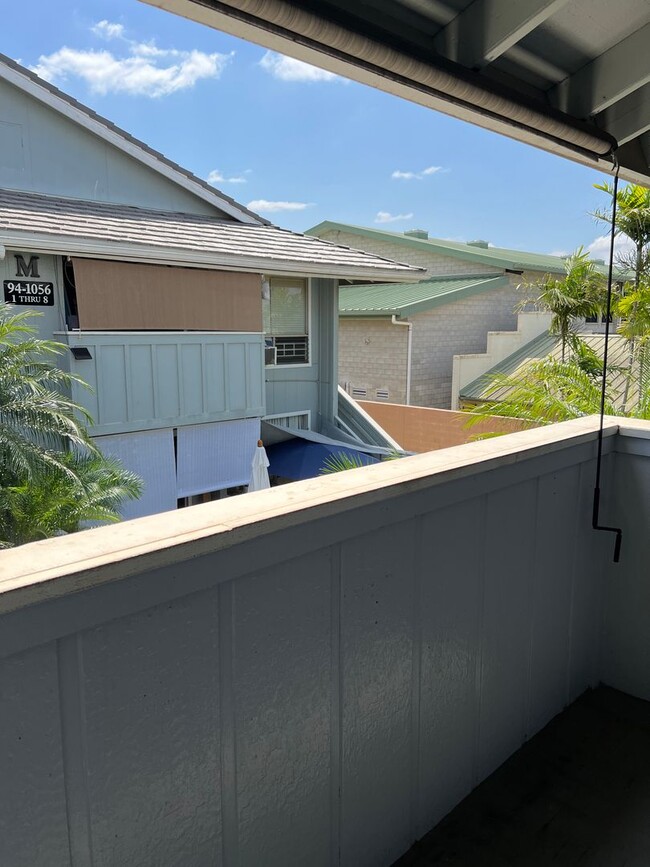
{"x": 314, "y": 674}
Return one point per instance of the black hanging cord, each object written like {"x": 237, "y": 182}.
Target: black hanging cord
{"x": 599, "y": 460}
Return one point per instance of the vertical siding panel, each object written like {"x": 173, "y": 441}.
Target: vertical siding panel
{"x": 376, "y": 646}
{"x": 191, "y": 380}
{"x": 140, "y": 391}
{"x": 282, "y": 683}
{"x": 75, "y": 749}
{"x": 153, "y": 736}
{"x": 216, "y": 394}
{"x": 229, "y": 817}
{"x": 553, "y": 568}
{"x": 450, "y": 611}
{"x": 168, "y": 398}
{"x": 111, "y": 383}
{"x": 591, "y": 553}
{"x": 236, "y": 384}
{"x": 506, "y": 623}
{"x": 33, "y": 825}
{"x": 336, "y": 709}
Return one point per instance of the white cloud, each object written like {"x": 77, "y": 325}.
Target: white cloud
{"x": 108, "y": 30}
{"x": 145, "y": 70}
{"x": 290, "y": 69}
{"x": 386, "y": 217}
{"x": 399, "y": 175}
{"x": 216, "y": 177}
{"x": 599, "y": 248}
{"x": 263, "y": 206}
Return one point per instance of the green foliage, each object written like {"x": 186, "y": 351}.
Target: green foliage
{"x": 545, "y": 392}
{"x": 340, "y": 462}
{"x": 579, "y": 294}
{"x": 632, "y": 220}
{"x": 63, "y": 502}
{"x": 52, "y": 477}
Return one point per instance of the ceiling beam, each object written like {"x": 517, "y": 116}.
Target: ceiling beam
{"x": 606, "y": 79}
{"x": 629, "y": 117}
{"x": 488, "y": 28}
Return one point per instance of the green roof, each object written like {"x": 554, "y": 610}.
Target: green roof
{"x": 405, "y": 299}
{"x": 546, "y": 345}
{"x": 497, "y": 257}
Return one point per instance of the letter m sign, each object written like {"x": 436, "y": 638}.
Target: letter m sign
{"x": 29, "y": 269}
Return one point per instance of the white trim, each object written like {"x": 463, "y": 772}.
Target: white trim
{"x": 95, "y": 249}
{"x": 113, "y": 137}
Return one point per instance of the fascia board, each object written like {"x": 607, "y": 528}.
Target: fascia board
{"x": 64, "y": 246}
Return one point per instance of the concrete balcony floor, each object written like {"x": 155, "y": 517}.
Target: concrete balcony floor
{"x": 576, "y": 795}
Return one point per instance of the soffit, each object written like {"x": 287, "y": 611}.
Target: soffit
{"x": 569, "y": 76}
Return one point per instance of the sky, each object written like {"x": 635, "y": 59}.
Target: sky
{"x": 297, "y": 144}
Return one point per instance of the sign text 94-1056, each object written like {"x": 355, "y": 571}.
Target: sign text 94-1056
{"x": 25, "y": 292}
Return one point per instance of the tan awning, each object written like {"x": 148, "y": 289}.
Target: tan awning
{"x": 131, "y": 297}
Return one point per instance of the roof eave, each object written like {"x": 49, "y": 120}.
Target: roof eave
{"x": 92, "y": 248}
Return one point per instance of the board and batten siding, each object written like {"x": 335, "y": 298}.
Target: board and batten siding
{"x": 125, "y": 296}
{"x": 316, "y": 686}
{"x": 145, "y": 380}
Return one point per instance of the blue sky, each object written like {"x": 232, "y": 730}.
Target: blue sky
{"x": 300, "y": 145}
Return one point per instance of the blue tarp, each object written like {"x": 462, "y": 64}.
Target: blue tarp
{"x": 298, "y": 459}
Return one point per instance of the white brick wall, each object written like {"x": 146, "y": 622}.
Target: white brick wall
{"x": 372, "y": 355}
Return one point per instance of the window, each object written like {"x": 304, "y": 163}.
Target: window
{"x": 286, "y": 316}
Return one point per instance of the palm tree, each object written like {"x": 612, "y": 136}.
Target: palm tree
{"x": 38, "y": 422}
{"x": 633, "y": 221}
{"x": 549, "y": 391}
{"x": 52, "y": 476}
{"x": 65, "y": 502}
{"x": 576, "y": 296}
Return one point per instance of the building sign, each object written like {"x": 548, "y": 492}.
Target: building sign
{"x": 32, "y": 292}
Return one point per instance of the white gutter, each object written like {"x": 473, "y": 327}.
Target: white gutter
{"x": 409, "y": 346}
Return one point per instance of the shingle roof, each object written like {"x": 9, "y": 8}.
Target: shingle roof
{"x": 547, "y": 345}
{"x": 25, "y": 77}
{"x": 407, "y": 299}
{"x": 498, "y": 257}
{"x": 103, "y": 230}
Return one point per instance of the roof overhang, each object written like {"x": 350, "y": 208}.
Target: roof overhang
{"x": 180, "y": 257}
{"x": 569, "y": 76}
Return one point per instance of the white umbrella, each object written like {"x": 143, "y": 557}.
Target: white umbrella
{"x": 259, "y": 469}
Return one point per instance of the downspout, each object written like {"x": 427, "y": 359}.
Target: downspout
{"x": 409, "y": 345}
